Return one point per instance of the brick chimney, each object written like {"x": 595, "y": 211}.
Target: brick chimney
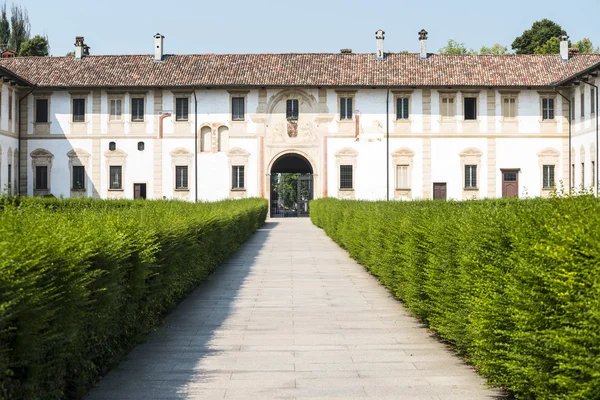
{"x": 379, "y": 36}
{"x": 564, "y": 48}
{"x": 423, "y": 42}
{"x": 158, "y": 47}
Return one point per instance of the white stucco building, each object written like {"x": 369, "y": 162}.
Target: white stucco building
{"x": 364, "y": 126}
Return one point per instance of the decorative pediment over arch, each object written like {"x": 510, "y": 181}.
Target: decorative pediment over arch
{"x": 346, "y": 152}
{"x": 180, "y": 151}
{"x": 471, "y": 152}
{"x": 78, "y": 153}
{"x": 237, "y": 151}
{"x": 284, "y": 95}
{"x": 549, "y": 152}
{"x": 403, "y": 152}
{"x": 39, "y": 153}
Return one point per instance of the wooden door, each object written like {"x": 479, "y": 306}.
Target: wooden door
{"x": 510, "y": 183}
{"x": 139, "y": 190}
{"x": 439, "y": 191}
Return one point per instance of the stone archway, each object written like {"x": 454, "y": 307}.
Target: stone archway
{"x": 291, "y": 185}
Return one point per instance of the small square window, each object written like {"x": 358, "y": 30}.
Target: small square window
{"x": 346, "y": 177}
{"x": 237, "y": 109}
{"x": 291, "y": 111}
{"x": 41, "y": 111}
{"x": 141, "y": 146}
{"x": 346, "y": 108}
{"x": 112, "y": 146}
{"x": 181, "y": 109}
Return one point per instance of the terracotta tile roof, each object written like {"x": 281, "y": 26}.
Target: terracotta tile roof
{"x": 298, "y": 70}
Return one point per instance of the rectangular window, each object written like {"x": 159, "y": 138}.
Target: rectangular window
{"x": 470, "y": 176}
{"x": 237, "y": 178}
{"x": 447, "y": 107}
{"x": 9, "y": 185}
{"x": 78, "y": 110}
{"x": 346, "y": 177}
{"x": 10, "y": 107}
{"x": 573, "y": 108}
{"x": 572, "y": 175}
{"x": 402, "y": 108}
{"x": 181, "y": 109}
{"x": 116, "y": 177}
{"x": 41, "y": 177}
{"x": 116, "y": 110}
{"x": 594, "y": 173}
{"x": 181, "y": 177}
{"x": 402, "y": 177}
{"x": 41, "y": 111}
{"x": 548, "y": 178}
{"x": 593, "y": 101}
{"x": 238, "y": 112}
{"x": 509, "y": 108}
{"x": 291, "y": 110}
{"x": 470, "y": 108}
{"x": 78, "y": 178}
{"x": 137, "y": 109}
{"x": 547, "y": 109}
{"x": 582, "y": 105}
{"x": 346, "y": 108}
{"x": 582, "y": 174}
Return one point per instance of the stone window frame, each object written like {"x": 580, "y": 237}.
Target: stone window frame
{"x": 138, "y": 95}
{"x": 400, "y": 157}
{"x": 78, "y": 158}
{"x": 548, "y": 156}
{"x": 42, "y": 96}
{"x": 182, "y": 95}
{"x": 471, "y": 94}
{"x": 238, "y": 157}
{"x": 448, "y": 95}
{"x": 403, "y": 94}
{"x": 471, "y": 156}
{"x": 346, "y": 156}
{"x": 110, "y": 98}
{"x": 238, "y": 93}
{"x": 11, "y": 106}
{"x": 115, "y": 158}
{"x": 508, "y": 95}
{"x": 9, "y": 164}
{"x": 181, "y": 157}
{"x": 548, "y": 95}
{"x": 347, "y": 94}
{"x": 41, "y": 158}
{"x": 592, "y": 101}
{"x": 582, "y": 104}
{"x": 83, "y": 96}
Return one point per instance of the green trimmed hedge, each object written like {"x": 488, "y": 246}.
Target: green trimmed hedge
{"x": 514, "y": 285}
{"x": 82, "y": 281}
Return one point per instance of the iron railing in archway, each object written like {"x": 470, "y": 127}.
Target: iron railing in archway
{"x": 290, "y": 194}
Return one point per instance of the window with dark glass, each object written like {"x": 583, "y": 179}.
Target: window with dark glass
{"x": 582, "y": 104}
{"x": 116, "y": 177}
{"x": 137, "y": 109}
{"x": 237, "y": 109}
{"x": 346, "y": 177}
{"x": 345, "y": 108}
{"x": 9, "y": 184}
{"x": 181, "y": 109}
{"x": 78, "y": 110}
{"x": 112, "y": 146}
{"x": 78, "y": 178}
{"x": 291, "y": 110}
{"x": 41, "y": 110}
{"x": 573, "y": 108}
{"x": 237, "y": 181}
{"x": 41, "y": 177}
{"x": 470, "y": 108}
{"x": 181, "y": 177}
{"x": 402, "y": 108}
{"x": 548, "y": 176}
{"x": 547, "y": 109}
{"x": 470, "y": 176}
{"x": 593, "y": 101}
{"x": 141, "y": 146}
{"x": 10, "y": 106}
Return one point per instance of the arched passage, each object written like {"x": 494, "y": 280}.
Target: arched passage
{"x": 291, "y": 186}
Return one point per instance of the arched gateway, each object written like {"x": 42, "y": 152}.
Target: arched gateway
{"x": 291, "y": 186}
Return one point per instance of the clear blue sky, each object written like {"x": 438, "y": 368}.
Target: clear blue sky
{"x": 312, "y": 26}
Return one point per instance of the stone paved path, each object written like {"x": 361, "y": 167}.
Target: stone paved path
{"x": 291, "y": 316}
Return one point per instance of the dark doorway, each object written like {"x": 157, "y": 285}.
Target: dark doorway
{"x": 291, "y": 186}
{"x": 510, "y": 183}
{"x": 439, "y": 191}
{"x": 139, "y": 191}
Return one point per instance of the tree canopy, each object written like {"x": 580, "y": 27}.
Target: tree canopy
{"x": 552, "y": 46}
{"x": 454, "y": 47}
{"x": 536, "y": 37}
{"x": 36, "y": 46}
{"x": 4, "y": 29}
{"x": 496, "y": 49}
{"x": 585, "y": 46}
{"x": 15, "y": 33}
{"x": 19, "y": 21}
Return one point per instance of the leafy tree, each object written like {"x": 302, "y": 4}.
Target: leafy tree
{"x": 4, "y": 30}
{"x": 454, "y": 47}
{"x": 586, "y": 46}
{"x": 496, "y": 49}
{"x": 19, "y": 21}
{"x": 286, "y": 186}
{"x": 70, "y": 54}
{"x": 537, "y": 36}
{"x": 36, "y": 46}
{"x": 552, "y": 46}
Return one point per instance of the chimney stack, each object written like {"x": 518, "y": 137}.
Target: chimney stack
{"x": 423, "y": 41}
{"x": 564, "y": 48}
{"x": 79, "y": 47}
{"x": 158, "y": 47}
{"x": 380, "y": 35}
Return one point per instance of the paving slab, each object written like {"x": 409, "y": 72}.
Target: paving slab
{"x": 290, "y": 315}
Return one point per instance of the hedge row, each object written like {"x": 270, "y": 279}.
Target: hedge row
{"x": 81, "y": 281}
{"x": 514, "y": 285}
